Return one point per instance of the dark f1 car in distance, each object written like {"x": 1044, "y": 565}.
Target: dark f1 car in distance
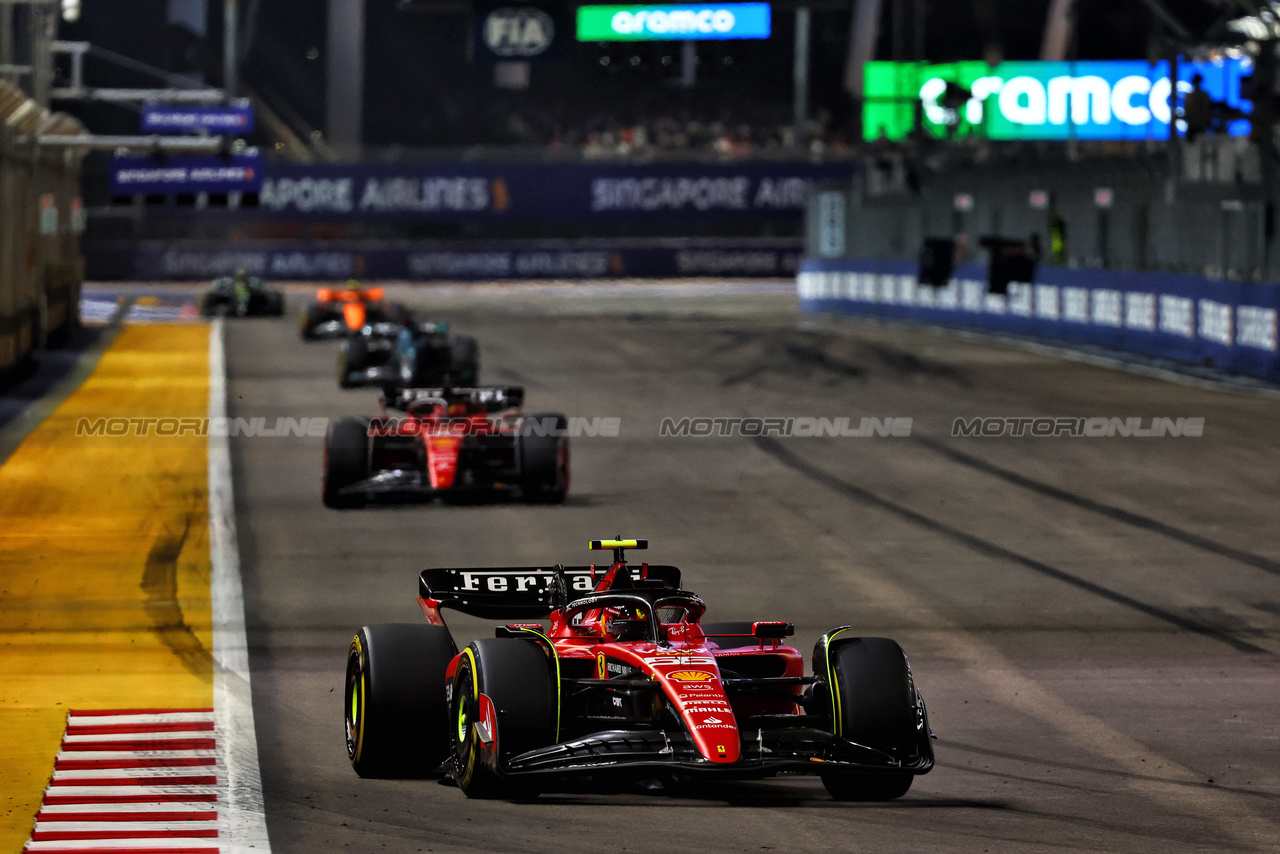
{"x": 447, "y": 443}
{"x": 241, "y": 295}
{"x": 624, "y": 680}
{"x": 338, "y": 312}
{"x": 392, "y": 356}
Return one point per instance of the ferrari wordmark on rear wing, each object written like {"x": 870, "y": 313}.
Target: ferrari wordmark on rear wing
{"x": 518, "y": 593}
{"x": 491, "y": 397}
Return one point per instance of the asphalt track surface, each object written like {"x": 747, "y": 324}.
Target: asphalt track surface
{"x": 1094, "y": 623}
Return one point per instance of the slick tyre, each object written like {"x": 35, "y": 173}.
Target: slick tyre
{"x": 465, "y": 370}
{"x": 396, "y": 711}
{"x": 431, "y": 365}
{"x": 399, "y": 314}
{"x": 311, "y": 317}
{"x": 522, "y": 707}
{"x": 353, "y": 355}
{"x": 875, "y": 705}
{"x": 346, "y": 462}
{"x": 544, "y": 458}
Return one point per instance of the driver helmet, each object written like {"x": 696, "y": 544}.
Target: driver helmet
{"x": 626, "y": 623}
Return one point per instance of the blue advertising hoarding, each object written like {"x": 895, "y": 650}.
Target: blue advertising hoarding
{"x": 457, "y": 260}
{"x": 1232, "y": 325}
{"x": 141, "y": 174}
{"x": 170, "y": 118}
{"x": 540, "y": 192}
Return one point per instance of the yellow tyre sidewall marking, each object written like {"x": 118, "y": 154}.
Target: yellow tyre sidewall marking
{"x": 475, "y": 695}
{"x": 358, "y": 705}
{"x": 836, "y": 710}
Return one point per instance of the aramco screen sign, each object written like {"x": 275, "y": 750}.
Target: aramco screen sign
{"x": 668, "y": 22}
{"x": 1040, "y": 100}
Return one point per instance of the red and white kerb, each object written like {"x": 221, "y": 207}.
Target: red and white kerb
{"x": 143, "y": 781}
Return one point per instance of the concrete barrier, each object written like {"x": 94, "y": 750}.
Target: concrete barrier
{"x": 1228, "y": 325}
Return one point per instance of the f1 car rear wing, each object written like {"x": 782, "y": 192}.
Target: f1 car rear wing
{"x": 492, "y": 398}
{"x": 519, "y": 593}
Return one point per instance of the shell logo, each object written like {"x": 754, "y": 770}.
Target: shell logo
{"x": 691, "y": 676}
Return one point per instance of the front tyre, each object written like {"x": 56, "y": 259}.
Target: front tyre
{"x": 395, "y": 706}
{"x": 544, "y": 458}
{"x": 874, "y": 703}
{"x": 346, "y": 463}
{"x": 465, "y": 357}
{"x": 504, "y": 703}
{"x": 353, "y": 357}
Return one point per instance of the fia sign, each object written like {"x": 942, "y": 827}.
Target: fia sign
{"x": 518, "y": 32}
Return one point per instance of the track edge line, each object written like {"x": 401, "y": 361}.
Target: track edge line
{"x": 242, "y": 818}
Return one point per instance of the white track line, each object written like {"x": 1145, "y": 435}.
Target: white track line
{"x": 77, "y": 719}
{"x": 90, "y": 774}
{"x": 48, "y": 812}
{"x": 156, "y": 737}
{"x": 192, "y": 827}
{"x": 123, "y": 791}
{"x": 242, "y": 815}
{"x": 160, "y": 846}
{"x": 100, "y": 758}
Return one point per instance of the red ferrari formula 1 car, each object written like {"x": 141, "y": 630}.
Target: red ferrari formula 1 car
{"x": 447, "y": 442}
{"x": 621, "y": 677}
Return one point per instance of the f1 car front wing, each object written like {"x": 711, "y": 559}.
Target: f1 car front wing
{"x": 794, "y": 750}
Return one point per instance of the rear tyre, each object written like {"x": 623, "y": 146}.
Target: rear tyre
{"x": 867, "y": 787}
{"x": 275, "y": 304}
{"x": 352, "y": 357}
{"x": 516, "y": 677}
{"x": 544, "y": 459}
{"x": 465, "y": 370}
{"x": 876, "y": 702}
{"x": 346, "y": 462}
{"x": 432, "y": 363}
{"x": 399, "y": 314}
{"x": 396, "y": 711}
{"x": 312, "y": 316}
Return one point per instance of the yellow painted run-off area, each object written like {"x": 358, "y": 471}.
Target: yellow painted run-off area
{"x": 104, "y": 560}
